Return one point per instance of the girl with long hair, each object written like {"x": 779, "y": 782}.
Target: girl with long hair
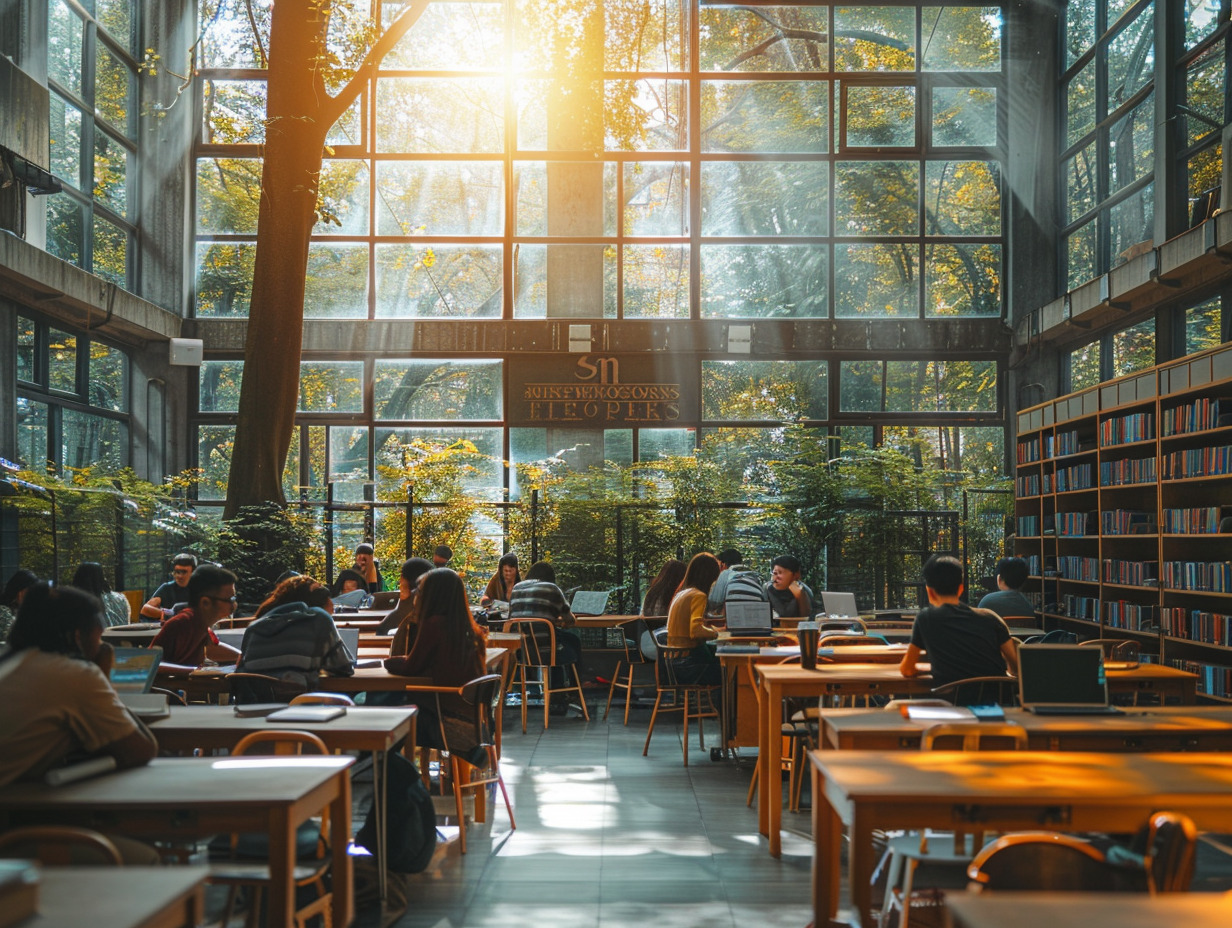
{"x": 686, "y": 622}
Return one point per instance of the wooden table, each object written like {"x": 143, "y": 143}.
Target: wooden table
{"x": 999, "y": 790}
{"x": 1089, "y": 910}
{"x": 120, "y": 897}
{"x": 1149, "y": 728}
{"x": 190, "y": 798}
{"x": 781, "y": 681}
{"x": 1157, "y": 679}
{"x": 363, "y": 728}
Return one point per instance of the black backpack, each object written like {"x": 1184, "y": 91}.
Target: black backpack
{"x": 410, "y": 829}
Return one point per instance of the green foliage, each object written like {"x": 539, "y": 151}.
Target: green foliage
{"x": 263, "y": 541}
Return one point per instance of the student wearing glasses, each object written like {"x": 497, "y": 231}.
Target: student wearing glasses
{"x": 188, "y": 637}
{"x": 173, "y": 592}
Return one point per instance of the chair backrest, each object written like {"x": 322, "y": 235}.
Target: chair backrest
{"x": 1171, "y": 850}
{"x": 538, "y": 641}
{"x": 632, "y": 632}
{"x": 974, "y": 736}
{"x": 852, "y": 625}
{"x": 844, "y": 641}
{"x": 136, "y": 599}
{"x": 258, "y": 687}
{"x": 60, "y": 846}
{"x": 1115, "y": 649}
{"x": 322, "y": 699}
{"x": 980, "y": 691}
{"x": 284, "y": 741}
{"x": 482, "y": 694}
{"x": 1049, "y": 861}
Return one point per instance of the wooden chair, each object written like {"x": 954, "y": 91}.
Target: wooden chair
{"x": 538, "y": 653}
{"x": 480, "y": 698}
{"x": 1171, "y": 852}
{"x": 667, "y": 682}
{"x": 906, "y": 852}
{"x": 980, "y": 691}
{"x": 245, "y": 868}
{"x": 322, "y": 699}
{"x": 627, "y": 667}
{"x": 60, "y": 846}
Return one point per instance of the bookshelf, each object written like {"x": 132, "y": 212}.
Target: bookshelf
{"x": 1123, "y": 512}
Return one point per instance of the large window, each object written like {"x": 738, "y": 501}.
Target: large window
{"x": 92, "y": 78}
{"x": 540, "y": 158}
{"x": 72, "y": 399}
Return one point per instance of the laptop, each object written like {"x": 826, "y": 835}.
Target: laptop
{"x": 386, "y": 599}
{"x": 235, "y": 638}
{"x": 589, "y": 602}
{"x": 842, "y": 605}
{"x": 1063, "y": 679}
{"x": 134, "y": 669}
{"x": 749, "y": 619}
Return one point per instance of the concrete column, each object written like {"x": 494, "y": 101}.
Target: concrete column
{"x": 8, "y": 380}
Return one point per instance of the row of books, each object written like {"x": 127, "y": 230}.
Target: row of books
{"x": 1076, "y": 523}
{"x": 1029, "y": 449}
{"x": 1066, "y": 443}
{"x": 1198, "y": 416}
{"x": 1127, "y": 522}
{"x": 1124, "y": 430}
{"x": 1196, "y": 625}
{"x": 1028, "y": 526}
{"x": 1033, "y": 564}
{"x": 1213, "y": 680}
{"x": 1132, "y": 616}
{"x": 1081, "y": 607}
{"x": 1028, "y": 485}
{"x": 1213, "y": 577}
{"x": 1127, "y": 471}
{"x": 1197, "y": 462}
{"x": 1074, "y": 477}
{"x": 1132, "y": 573}
{"x": 1201, "y": 520}
{"x": 1076, "y": 568}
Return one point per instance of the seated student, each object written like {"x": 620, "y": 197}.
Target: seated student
{"x": 663, "y": 588}
{"x": 58, "y": 701}
{"x": 10, "y": 599}
{"x": 686, "y": 623}
{"x": 449, "y": 648}
{"x": 1008, "y": 602}
{"x": 538, "y": 597}
{"x": 442, "y": 555}
{"x": 402, "y": 616}
{"x": 959, "y": 641}
{"x": 161, "y": 606}
{"x": 349, "y": 588}
{"x": 736, "y": 583}
{"x": 294, "y": 637}
{"x": 789, "y": 598}
{"x": 366, "y": 566}
{"x": 90, "y": 577}
{"x": 188, "y": 637}
{"x": 500, "y": 587}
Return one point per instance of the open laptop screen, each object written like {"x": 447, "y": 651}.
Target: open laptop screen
{"x": 134, "y": 669}
{"x": 235, "y": 638}
{"x": 1061, "y": 675}
{"x": 589, "y": 602}
{"x": 748, "y": 616}
{"x": 842, "y": 605}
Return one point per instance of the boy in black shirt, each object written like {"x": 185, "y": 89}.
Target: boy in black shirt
{"x": 960, "y": 642}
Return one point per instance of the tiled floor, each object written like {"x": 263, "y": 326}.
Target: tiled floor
{"x": 609, "y": 838}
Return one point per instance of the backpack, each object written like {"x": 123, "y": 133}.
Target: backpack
{"x": 410, "y": 819}
{"x": 745, "y": 586}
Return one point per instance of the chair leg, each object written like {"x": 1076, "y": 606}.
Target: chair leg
{"x": 654, "y": 714}
{"x": 611, "y": 690}
{"x": 577, "y": 679}
{"x": 752, "y": 786}
{"x": 494, "y": 760}
{"x": 893, "y": 875}
{"x": 628, "y": 694}
{"x": 456, "y": 772}
{"x": 685, "y": 740}
{"x": 522, "y": 677}
{"x": 545, "y": 684}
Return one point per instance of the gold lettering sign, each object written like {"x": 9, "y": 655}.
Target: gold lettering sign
{"x": 595, "y": 395}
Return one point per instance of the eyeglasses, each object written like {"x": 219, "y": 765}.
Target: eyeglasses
{"x": 222, "y": 599}
{"x": 181, "y": 570}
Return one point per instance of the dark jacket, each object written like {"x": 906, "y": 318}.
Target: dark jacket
{"x": 295, "y": 642}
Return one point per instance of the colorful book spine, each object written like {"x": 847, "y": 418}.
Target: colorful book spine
{"x": 1124, "y": 430}
{"x": 1127, "y": 471}
{"x": 1131, "y": 573}
{"x": 1210, "y": 577}
{"x": 1197, "y": 462}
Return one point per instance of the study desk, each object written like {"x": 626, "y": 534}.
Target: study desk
{"x": 1155, "y": 679}
{"x": 137, "y": 635}
{"x": 777, "y": 682}
{"x": 998, "y": 791}
{"x": 1088, "y": 910}
{"x": 120, "y": 897}
{"x": 1149, "y": 728}
{"x": 363, "y": 728}
{"x": 190, "y": 798}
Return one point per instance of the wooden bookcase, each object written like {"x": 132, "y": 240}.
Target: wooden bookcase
{"x": 1120, "y": 492}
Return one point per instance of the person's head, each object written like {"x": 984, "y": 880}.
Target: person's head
{"x": 442, "y": 593}
{"x": 349, "y": 580}
{"x": 1012, "y": 572}
{"x": 59, "y": 620}
{"x": 442, "y": 555}
{"x": 541, "y": 570}
{"x": 665, "y": 583}
{"x": 15, "y": 589}
{"x": 364, "y": 556}
{"x": 182, "y": 567}
{"x": 412, "y": 569}
{"x": 211, "y": 593}
{"x": 729, "y": 557}
{"x": 784, "y": 571}
{"x": 90, "y": 577}
{"x": 507, "y": 567}
{"x": 943, "y": 575}
{"x": 297, "y": 589}
{"x": 286, "y": 575}
{"x": 702, "y": 571}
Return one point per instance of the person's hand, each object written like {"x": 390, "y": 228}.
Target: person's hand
{"x": 105, "y": 658}
{"x": 795, "y": 587}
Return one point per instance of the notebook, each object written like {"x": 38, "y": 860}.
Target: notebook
{"x": 134, "y": 669}
{"x": 307, "y": 713}
{"x": 589, "y": 602}
{"x": 386, "y": 599}
{"x": 749, "y": 619}
{"x": 842, "y": 605}
{"x": 1063, "y": 679}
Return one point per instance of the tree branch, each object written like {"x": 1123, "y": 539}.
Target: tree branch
{"x": 339, "y": 103}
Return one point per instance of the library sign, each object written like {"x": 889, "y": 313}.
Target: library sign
{"x": 599, "y": 391}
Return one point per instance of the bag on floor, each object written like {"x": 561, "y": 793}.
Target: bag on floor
{"x": 410, "y": 819}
